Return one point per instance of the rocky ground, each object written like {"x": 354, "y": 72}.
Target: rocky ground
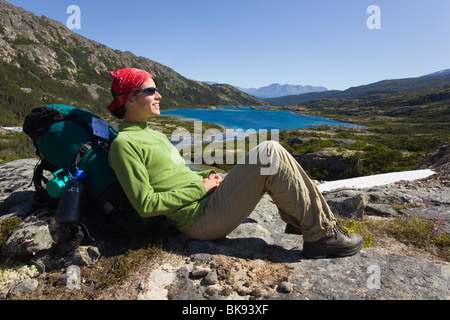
{"x": 257, "y": 261}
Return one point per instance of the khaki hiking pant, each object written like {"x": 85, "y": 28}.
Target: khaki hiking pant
{"x": 267, "y": 168}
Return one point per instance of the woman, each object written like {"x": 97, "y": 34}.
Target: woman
{"x": 202, "y": 204}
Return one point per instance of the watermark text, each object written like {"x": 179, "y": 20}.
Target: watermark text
{"x": 74, "y": 20}
{"x": 374, "y": 20}
{"x": 374, "y": 280}
{"x": 216, "y": 147}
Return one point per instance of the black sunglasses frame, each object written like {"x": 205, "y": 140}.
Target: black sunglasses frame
{"x": 150, "y": 91}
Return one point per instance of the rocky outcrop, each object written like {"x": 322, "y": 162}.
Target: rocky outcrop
{"x": 323, "y": 160}
{"x": 256, "y": 261}
{"x": 439, "y": 161}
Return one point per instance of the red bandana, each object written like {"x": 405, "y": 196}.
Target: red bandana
{"x": 126, "y": 80}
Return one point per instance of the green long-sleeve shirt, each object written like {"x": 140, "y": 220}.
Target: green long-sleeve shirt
{"x": 154, "y": 176}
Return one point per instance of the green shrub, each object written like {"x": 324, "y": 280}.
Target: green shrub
{"x": 7, "y": 226}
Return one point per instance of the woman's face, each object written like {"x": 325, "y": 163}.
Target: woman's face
{"x": 142, "y": 106}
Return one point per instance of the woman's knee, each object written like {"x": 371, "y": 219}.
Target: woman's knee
{"x": 268, "y": 156}
{"x": 270, "y": 144}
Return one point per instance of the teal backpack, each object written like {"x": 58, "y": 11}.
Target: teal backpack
{"x": 69, "y": 138}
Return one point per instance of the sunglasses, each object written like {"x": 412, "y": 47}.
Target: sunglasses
{"x": 150, "y": 91}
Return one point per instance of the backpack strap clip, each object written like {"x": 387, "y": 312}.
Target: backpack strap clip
{"x": 81, "y": 153}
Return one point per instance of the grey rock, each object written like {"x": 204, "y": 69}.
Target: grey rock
{"x": 285, "y": 287}
{"x": 201, "y": 257}
{"x": 81, "y": 256}
{"x": 23, "y": 287}
{"x": 32, "y": 236}
{"x": 183, "y": 288}
{"x": 211, "y": 278}
{"x": 259, "y": 247}
{"x": 371, "y": 274}
{"x": 380, "y": 209}
{"x": 200, "y": 271}
{"x": 347, "y": 203}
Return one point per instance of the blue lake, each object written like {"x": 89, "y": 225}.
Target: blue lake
{"x": 246, "y": 118}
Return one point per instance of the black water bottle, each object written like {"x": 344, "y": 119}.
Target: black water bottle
{"x": 69, "y": 205}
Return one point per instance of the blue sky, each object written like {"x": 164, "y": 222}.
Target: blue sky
{"x": 253, "y": 43}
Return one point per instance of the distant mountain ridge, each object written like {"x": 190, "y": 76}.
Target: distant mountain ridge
{"x": 381, "y": 87}
{"x": 43, "y": 62}
{"x": 438, "y": 73}
{"x": 279, "y": 90}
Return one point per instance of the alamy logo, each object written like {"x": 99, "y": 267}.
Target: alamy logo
{"x": 74, "y": 21}
{"x": 374, "y": 21}
{"x": 73, "y": 277}
{"x": 374, "y": 280}
{"x": 215, "y": 147}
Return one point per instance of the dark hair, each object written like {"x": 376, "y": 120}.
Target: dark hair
{"x": 119, "y": 112}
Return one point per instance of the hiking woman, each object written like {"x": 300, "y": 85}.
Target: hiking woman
{"x": 201, "y": 204}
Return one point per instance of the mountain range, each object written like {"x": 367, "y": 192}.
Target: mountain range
{"x": 278, "y": 90}
{"x": 434, "y": 80}
{"x": 438, "y": 73}
{"x": 43, "y": 62}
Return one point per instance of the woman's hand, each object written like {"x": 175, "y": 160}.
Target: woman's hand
{"x": 212, "y": 182}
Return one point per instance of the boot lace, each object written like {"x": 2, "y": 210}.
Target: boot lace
{"x": 340, "y": 229}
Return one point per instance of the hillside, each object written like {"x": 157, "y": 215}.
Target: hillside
{"x": 382, "y": 87}
{"x": 42, "y": 61}
{"x": 419, "y": 114}
{"x": 438, "y": 73}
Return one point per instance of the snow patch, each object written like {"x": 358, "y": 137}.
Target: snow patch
{"x": 375, "y": 180}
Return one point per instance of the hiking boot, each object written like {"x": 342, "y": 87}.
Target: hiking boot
{"x": 340, "y": 244}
